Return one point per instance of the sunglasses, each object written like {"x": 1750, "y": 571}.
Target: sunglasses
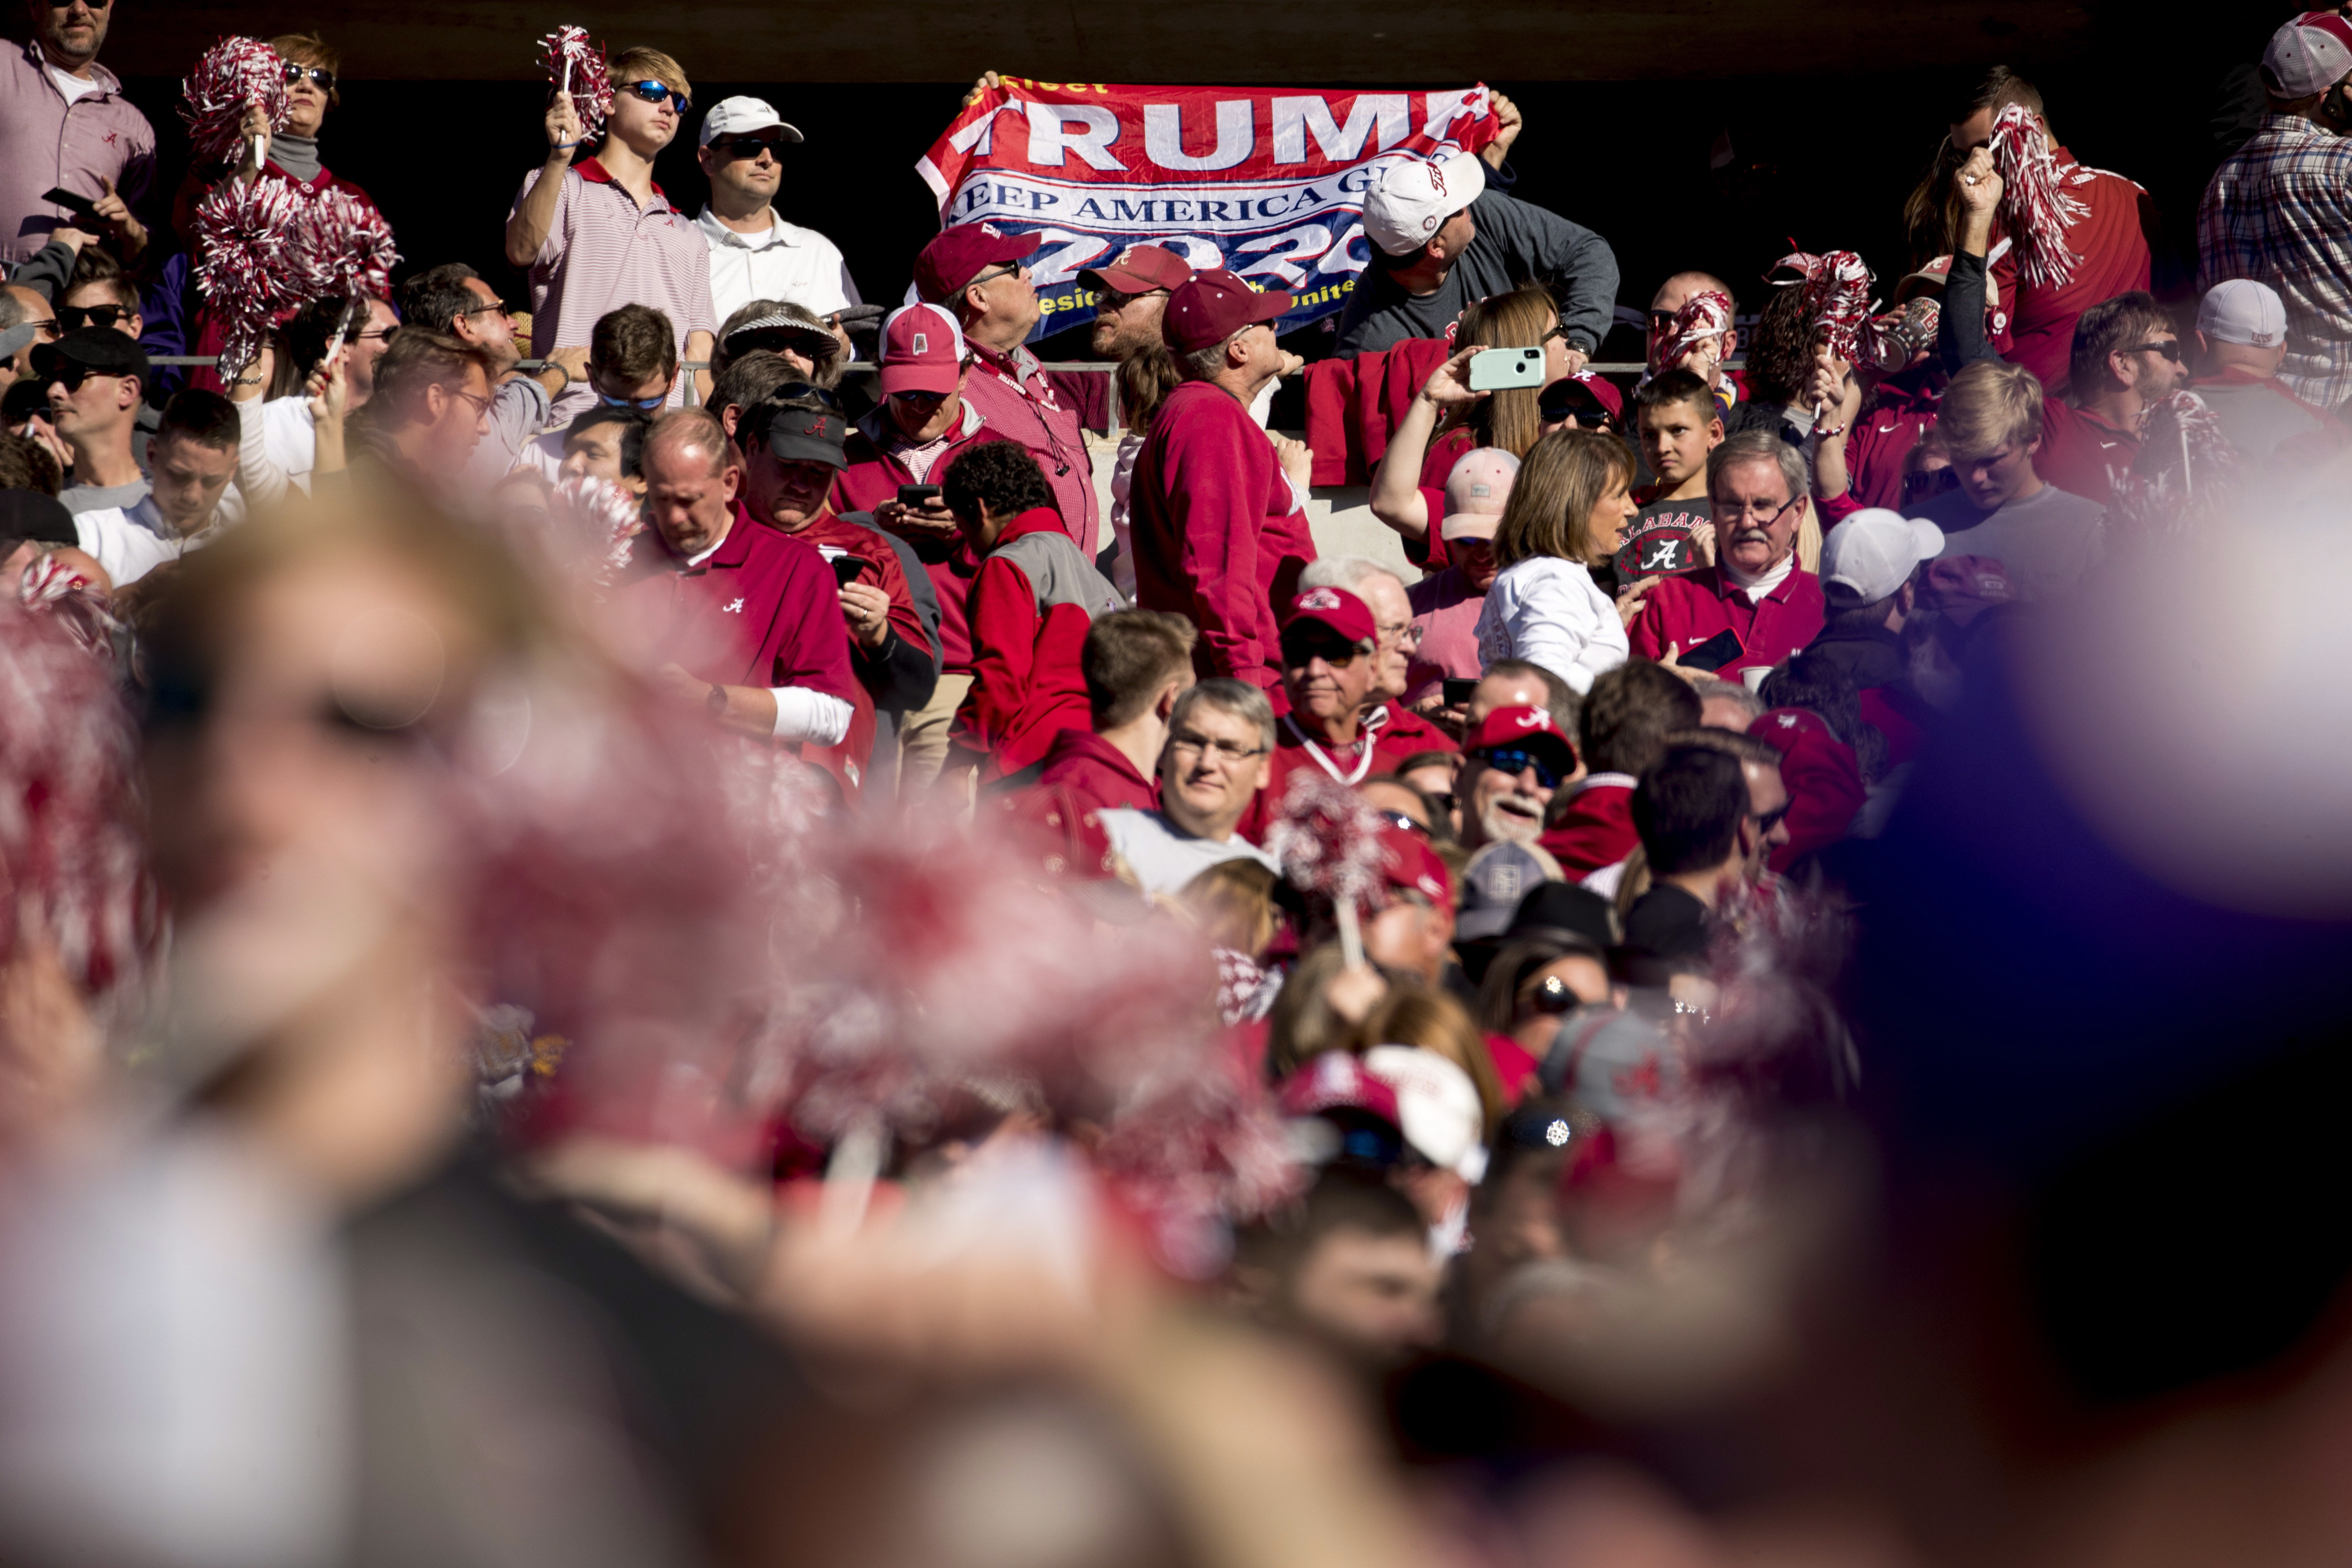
{"x": 1933, "y": 482}
{"x": 792, "y": 390}
{"x": 1769, "y": 820}
{"x": 1513, "y": 760}
{"x": 1400, "y": 819}
{"x": 1551, "y": 995}
{"x": 607, "y": 400}
{"x": 320, "y": 77}
{"x": 992, "y": 274}
{"x": 2170, "y": 348}
{"x": 71, "y": 374}
{"x": 1338, "y": 655}
{"x": 655, "y": 92}
{"x": 74, "y": 318}
{"x": 732, "y": 147}
{"x": 67, "y": 4}
{"x": 806, "y": 341}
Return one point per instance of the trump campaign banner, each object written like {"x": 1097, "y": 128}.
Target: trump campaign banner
{"x": 1267, "y": 182}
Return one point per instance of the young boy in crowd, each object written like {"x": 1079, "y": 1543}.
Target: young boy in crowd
{"x": 1678, "y": 424}
{"x": 1032, "y": 604}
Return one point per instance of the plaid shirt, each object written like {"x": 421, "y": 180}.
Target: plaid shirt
{"x": 2280, "y": 211}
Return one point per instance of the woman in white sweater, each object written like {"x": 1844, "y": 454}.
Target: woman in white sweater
{"x": 1566, "y": 514}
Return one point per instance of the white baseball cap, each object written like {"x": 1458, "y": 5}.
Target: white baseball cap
{"x": 2241, "y": 311}
{"x": 1411, "y": 197}
{"x": 1477, "y": 487}
{"x": 739, "y": 116}
{"x": 2308, "y": 55}
{"x": 1874, "y": 552}
{"x": 1437, "y": 1107}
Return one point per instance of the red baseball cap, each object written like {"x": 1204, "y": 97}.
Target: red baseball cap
{"x": 957, "y": 256}
{"x": 1214, "y": 305}
{"x": 1529, "y": 729}
{"x": 922, "y": 350}
{"x": 1338, "y": 609}
{"x": 1410, "y": 864}
{"x": 1140, "y": 269}
{"x": 1336, "y": 1081}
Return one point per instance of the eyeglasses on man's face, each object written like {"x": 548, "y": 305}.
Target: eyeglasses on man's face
{"x": 655, "y": 92}
{"x": 1191, "y": 742}
{"x": 731, "y": 148}
{"x": 1513, "y": 760}
{"x": 2170, "y": 348}
{"x": 74, "y": 318}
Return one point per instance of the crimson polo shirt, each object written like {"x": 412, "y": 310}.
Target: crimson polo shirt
{"x": 763, "y": 611}
{"x": 1691, "y": 609}
{"x": 602, "y": 251}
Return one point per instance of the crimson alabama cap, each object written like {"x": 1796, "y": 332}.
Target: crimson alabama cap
{"x": 1531, "y": 730}
{"x": 1213, "y": 306}
{"x": 1873, "y": 552}
{"x": 2310, "y": 54}
{"x": 1477, "y": 487}
{"x": 957, "y": 256}
{"x": 1409, "y": 865}
{"x": 1140, "y": 269}
{"x": 741, "y": 117}
{"x": 1340, "y": 610}
{"x": 2241, "y": 311}
{"x": 922, "y": 350}
{"x": 1336, "y": 1081}
{"x": 1438, "y": 1108}
{"x": 1412, "y": 198}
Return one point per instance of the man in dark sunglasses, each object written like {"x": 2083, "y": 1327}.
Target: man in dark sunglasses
{"x": 1516, "y": 760}
{"x": 754, "y": 253}
{"x": 595, "y": 233}
{"x": 93, "y": 379}
{"x": 67, "y": 125}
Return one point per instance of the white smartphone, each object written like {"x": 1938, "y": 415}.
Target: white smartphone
{"x": 1499, "y": 369}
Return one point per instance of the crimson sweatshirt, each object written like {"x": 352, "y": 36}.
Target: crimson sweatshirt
{"x": 1032, "y": 604}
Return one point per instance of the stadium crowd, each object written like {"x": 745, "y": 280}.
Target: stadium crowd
{"x": 681, "y": 921}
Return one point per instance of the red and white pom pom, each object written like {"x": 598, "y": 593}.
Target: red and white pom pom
{"x": 1836, "y": 287}
{"x": 342, "y": 249}
{"x": 2036, "y": 208}
{"x": 73, "y": 871}
{"x": 245, "y": 260}
{"x": 597, "y": 520}
{"x": 233, "y": 74}
{"x": 1328, "y": 839}
{"x": 2186, "y": 471}
{"x": 576, "y": 66}
{"x": 1704, "y": 317}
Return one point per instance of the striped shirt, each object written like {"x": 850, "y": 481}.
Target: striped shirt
{"x": 2279, "y": 211}
{"x": 604, "y": 251}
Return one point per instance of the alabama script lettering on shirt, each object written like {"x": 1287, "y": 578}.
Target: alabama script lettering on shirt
{"x": 1268, "y": 183}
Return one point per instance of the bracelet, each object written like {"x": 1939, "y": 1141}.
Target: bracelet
{"x": 566, "y": 146}
{"x": 559, "y": 370}
{"x": 1825, "y": 431}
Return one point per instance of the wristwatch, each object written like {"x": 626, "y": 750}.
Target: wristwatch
{"x": 717, "y": 700}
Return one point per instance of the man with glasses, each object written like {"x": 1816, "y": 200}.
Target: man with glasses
{"x": 25, "y": 320}
{"x": 754, "y": 253}
{"x": 1210, "y": 776}
{"x": 1515, "y": 762}
{"x": 793, "y": 451}
{"x": 66, "y": 124}
{"x": 1383, "y": 593}
{"x": 1756, "y": 494}
{"x": 1329, "y": 652}
{"x": 453, "y": 299}
{"x": 598, "y": 234}
{"x": 977, "y": 274}
{"x": 431, "y": 409}
{"x": 94, "y": 380}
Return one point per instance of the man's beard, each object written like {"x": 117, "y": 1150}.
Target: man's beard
{"x": 1499, "y": 826}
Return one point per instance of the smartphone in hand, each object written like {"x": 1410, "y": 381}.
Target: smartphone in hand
{"x": 914, "y": 497}
{"x": 1714, "y": 653}
{"x": 84, "y": 210}
{"x": 1456, "y": 692}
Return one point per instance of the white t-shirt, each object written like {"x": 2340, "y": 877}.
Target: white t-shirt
{"x": 1549, "y": 612}
{"x": 796, "y": 265}
{"x": 74, "y": 87}
{"x": 1162, "y": 856}
{"x": 131, "y": 543}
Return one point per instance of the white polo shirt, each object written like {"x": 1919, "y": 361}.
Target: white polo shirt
{"x": 796, "y": 265}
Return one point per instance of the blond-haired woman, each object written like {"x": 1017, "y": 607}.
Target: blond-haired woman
{"x": 1566, "y": 514}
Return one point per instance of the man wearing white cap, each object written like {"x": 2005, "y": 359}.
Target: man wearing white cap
{"x": 2279, "y": 210}
{"x": 1870, "y": 575}
{"x": 2242, "y": 326}
{"x": 1440, "y": 240}
{"x": 754, "y": 253}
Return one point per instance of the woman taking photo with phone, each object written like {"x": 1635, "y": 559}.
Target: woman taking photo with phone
{"x": 1447, "y": 417}
{"x": 1566, "y": 514}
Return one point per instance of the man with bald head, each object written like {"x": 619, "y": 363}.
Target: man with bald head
{"x": 1706, "y": 354}
{"x": 740, "y": 621}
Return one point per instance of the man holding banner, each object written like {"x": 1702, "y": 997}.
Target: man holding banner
{"x": 1442, "y": 241}
{"x": 1218, "y": 535}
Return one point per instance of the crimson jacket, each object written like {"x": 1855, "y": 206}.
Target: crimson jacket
{"x": 2112, "y": 241}
{"x": 874, "y": 475}
{"x": 1597, "y": 827}
{"x": 1054, "y": 817}
{"x": 1031, "y": 605}
{"x": 1218, "y": 538}
{"x": 1691, "y": 609}
{"x": 1823, "y": 781}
